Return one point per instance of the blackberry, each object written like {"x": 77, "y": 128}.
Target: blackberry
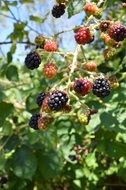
{"x": 82, "y": 86}
{"x": 72, "y": 157}
{"x": 50, "y": 70}
{"x": 40, "y": 98}
{"x": 33, "y": 122}
{"x": 32, "y": 60}
{"x": 58, "y": 10}
{"x": 57, "y": 100}
{"x": 117, "y": 32}
{"x": 83, "y": 36}
{"x": 101, "y": 87}
{"x": 3, "y": 179}
{"x": 50, "y": 46}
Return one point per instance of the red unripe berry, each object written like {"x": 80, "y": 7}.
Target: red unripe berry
{"x": 50, "y": 70}
{"x": 92, "y": 9}
{"x": 90, "y": 66}
{"x": 45, "y": 107}
{"x": 83, "y": 35}
{"x": 50, "y": 46}
{"x": 82, "y": 86}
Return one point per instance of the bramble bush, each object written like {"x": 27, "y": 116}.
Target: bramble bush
{"x": 62, "y": 113}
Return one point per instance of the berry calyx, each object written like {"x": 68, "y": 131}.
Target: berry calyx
{"x": 43, "y": 122}
{"x": 62, "y": 1}
{"x": 45, "y": 106}
{"x": 108, "y": 40}
{"x": 58, "y": 10}
{"x": 33, "y": 122}
{"x": 50, "y": 46}
{"x": 82, "y": 86}
{"x": 50, "y": 70}
{"x": 109, "y": 53}
{"x": 117, "y": 32}
{"x": 90, "y": 66}
{"x": 39, "y": 41}
{"x": 32, "y": 60}
{"x": 40, "y": 98}
{"x": 83, "y": 35}
{"x": 104, "y": 25}
{"x": 101, "y": 87}
{"x": 92, "y": 9}
{"x": 57, "y": 100}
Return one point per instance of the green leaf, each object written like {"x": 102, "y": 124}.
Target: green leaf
{"x": 9, "y": 57}
{"x": 26, "y": 1}
{"x": 2, "y": 161}
{"x": 75, "y": 7}
{"x": 2, "y": 95}
{"x": 49, "y": 164}
{"x": 12, "y": 73}
{"x": 11, "y": 143}
{"x": 13, "y": 3}
{"x": 7, "y": 128}
{"x": 70, "y": 10}
{"x": 13, "y": 48}
{"x": 36, "y": 19}
{"x": 24, "y": 163}
{"x": 91, "y": 160}
{"x": 7, "y": 109}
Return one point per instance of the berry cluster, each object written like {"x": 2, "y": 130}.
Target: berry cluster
{"x": 69, "y": 93}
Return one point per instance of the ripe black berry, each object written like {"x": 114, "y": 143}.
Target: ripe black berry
{"x": 40, "y": 98}
{"x": 3, "y": 179}
{"x": 33, "y": 122}
{"x": 117, "y": 32}
{"x": 101, "y": 87}
{"x": 32, "y": 60}
{"x": 57, "y": 100}
{"x": 72, "y": 157}
{"x": 58, "y": 10}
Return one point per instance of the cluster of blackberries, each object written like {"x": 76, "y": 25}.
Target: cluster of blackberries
{"x": 100, "y": 87}
{"x": 114, "y": 30}
{"x": 33, "y": 59}
{"x": 55, "y": 101}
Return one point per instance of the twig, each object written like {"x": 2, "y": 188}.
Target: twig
{"x": 116, "y": 184}
{"x": 73, "y": 65}
{"x": 10, "y": 42}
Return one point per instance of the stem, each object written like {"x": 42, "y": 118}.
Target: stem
{"x": 73, "y": 65}
{"x": 82, "y": 49}
{"x": 10, "y": 42}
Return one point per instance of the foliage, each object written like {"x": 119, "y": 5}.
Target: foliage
{"x": 41, "y": 159}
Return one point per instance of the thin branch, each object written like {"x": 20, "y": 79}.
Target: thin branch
{"x": 14, "y": 17}
{"x": 115, "y": 184}
{"x": 10, "y": 42}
